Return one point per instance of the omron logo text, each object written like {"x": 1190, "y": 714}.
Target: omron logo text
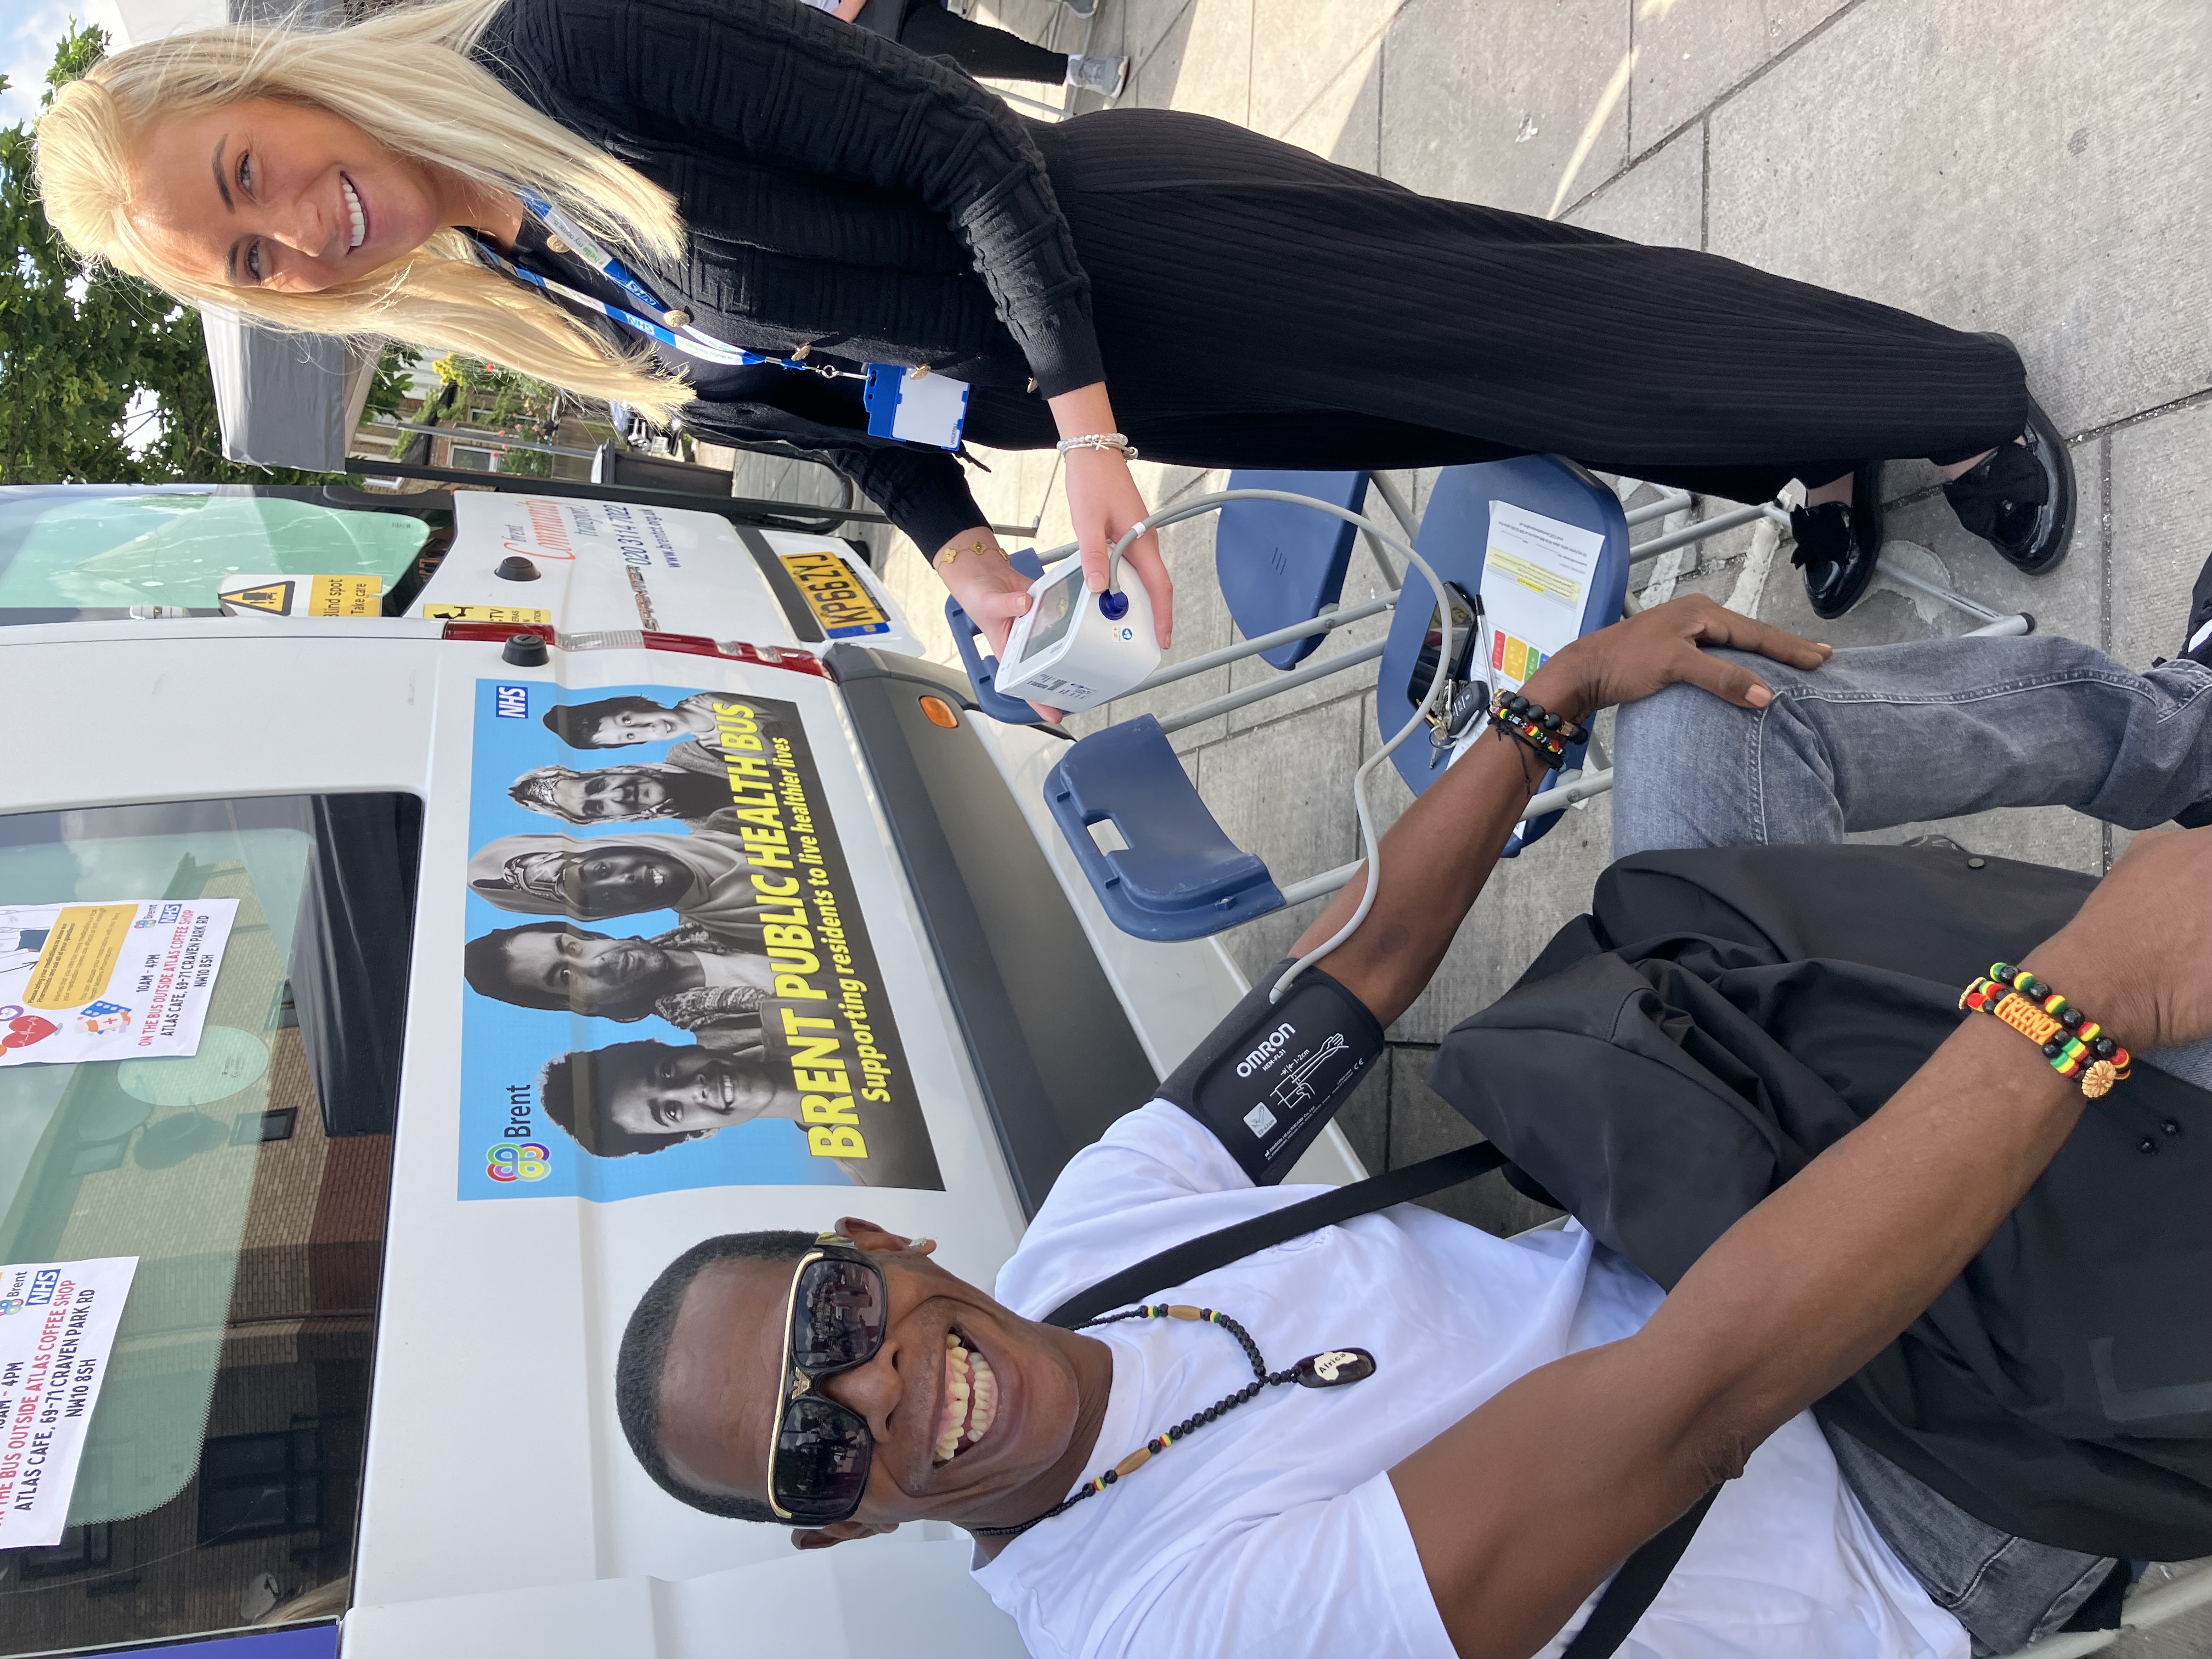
{"x": 1270, "y": 1046}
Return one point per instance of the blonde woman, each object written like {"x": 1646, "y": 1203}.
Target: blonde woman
{"x": 771, "y": 180}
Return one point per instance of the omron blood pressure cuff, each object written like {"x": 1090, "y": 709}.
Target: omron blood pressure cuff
{"x": 1269, "y": 1079}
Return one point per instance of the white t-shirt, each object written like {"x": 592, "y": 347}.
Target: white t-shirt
{"x": 1274, "y": 1532}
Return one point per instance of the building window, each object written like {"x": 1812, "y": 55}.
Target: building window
{"x": 471, "y": 459}
{"x": 255, "y": 1486}
{"x": 251, "y": 1128}
{"x": 81, "y": 1549}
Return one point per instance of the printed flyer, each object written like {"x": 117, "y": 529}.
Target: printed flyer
{"x": 57, "y": 1322}
{"x": 123, "y": 980}
{"x": 669, "y": 982}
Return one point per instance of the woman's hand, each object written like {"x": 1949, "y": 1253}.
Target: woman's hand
{"x": 1648, "y": 652}
{"x": 976, "y": 569}
{"x": 1103, "y": 501}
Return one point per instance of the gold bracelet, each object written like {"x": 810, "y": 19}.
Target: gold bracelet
{"x": 981, "y": 544}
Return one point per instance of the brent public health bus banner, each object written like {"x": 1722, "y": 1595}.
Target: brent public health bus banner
{"x": 669, "y": 981}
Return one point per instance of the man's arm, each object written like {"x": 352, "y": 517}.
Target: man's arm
{"x": 1520, "y": 1510}
{"x": 1436, "y": 857}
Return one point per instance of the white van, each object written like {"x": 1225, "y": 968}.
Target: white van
{"x": 598, "y": 876}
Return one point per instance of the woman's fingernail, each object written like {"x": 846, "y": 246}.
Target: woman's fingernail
{"x": 1759, "y": 696}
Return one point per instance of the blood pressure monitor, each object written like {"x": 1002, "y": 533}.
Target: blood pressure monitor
{"x": 1075, "y": 649}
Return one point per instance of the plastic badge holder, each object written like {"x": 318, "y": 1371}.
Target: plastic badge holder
{"x": 1075, "y": 649}
{"x": 983, "y": 670}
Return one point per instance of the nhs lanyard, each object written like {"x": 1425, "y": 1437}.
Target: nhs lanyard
{"x": 672, "y": 328}
{"x": 908, "y": 405}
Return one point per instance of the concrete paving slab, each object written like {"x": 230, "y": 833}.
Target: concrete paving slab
{"x": 2162, "y": 529}
{"x": 1660, "y": 200}
{"x": 1200, "y": 62}
{"x": 1280, "y": 793}
{"x": 1313, "y": 76}
{"x": 1521, "y": 106}
{"x": 1689, "y": 53}
{"x": 2045, "y": 179}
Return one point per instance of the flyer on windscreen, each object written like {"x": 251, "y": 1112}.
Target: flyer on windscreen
{"x": 58, "y": 1324}
{"x": 127, "y": 979}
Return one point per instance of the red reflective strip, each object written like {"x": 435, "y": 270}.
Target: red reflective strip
{"x": 500, "y": 633}
{"x": 687, "y": 645}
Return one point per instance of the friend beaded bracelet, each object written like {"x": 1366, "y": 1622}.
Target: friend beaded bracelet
{"x": 1548, "y": 734}
{"x": 2074, "y": 1044}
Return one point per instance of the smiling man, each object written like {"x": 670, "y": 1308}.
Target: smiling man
{"x": 617, "y": 795}
{"x": 1399, "y": 1435}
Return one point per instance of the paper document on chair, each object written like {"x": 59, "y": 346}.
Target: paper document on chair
{"x": 1535, "y": 582}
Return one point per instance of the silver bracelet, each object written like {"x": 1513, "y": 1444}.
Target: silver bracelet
{"x": 1099, "y": 440}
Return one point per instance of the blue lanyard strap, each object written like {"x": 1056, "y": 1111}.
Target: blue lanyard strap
{"x": 667, "y": 328}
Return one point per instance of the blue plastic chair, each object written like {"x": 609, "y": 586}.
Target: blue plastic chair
{"x": 1279, "y": 564}
{"x": 1454, "y": 538}
{"x": 1180, "y": 877}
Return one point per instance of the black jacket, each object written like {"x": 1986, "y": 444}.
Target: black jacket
{"x": 841, "y": 194}
{"x": 1728, "y": 1013}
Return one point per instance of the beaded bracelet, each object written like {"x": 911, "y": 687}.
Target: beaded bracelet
{"x": 2074, "y": 1044}
{"x": 1548, "y": 734}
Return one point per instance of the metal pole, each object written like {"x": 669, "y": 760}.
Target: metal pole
{"x": 1673, "y": 501}
{"x": 1243, "y": 648}
{"x": 1702, "y": 528}
{"x": 1236, "y": 700}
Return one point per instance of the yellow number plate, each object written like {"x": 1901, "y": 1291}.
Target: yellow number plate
{"x": 836, "y": 597}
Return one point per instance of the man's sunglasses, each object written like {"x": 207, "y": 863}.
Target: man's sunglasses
{"x": 817, "y": 1464}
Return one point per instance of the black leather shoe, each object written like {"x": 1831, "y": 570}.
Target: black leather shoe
{"x": 2020, "y": 498}
{"x": 1837, "y": 545}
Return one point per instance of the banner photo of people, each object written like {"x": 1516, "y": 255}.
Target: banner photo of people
{"x": 669, "y": 982}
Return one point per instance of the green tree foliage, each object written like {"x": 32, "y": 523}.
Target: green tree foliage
{"x": 84, "y": 360}
{"x": 514, "y": 405}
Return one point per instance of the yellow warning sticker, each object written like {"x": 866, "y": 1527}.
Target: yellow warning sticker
{"x": 490, "y": 613}
{"x": 303, "y": 596}
{"x": 80, "y": 955}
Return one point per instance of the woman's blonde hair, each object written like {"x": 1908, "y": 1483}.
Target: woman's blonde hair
{"x": 405, "y": 78}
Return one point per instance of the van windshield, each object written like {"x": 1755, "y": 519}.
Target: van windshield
{"x": 219, "y": 1481}
{"x": 67, "y": 550}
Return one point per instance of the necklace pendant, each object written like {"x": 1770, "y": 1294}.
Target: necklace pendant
{"x": 1336, "y": 1368}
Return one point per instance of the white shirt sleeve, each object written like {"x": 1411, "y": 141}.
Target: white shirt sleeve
{"x": 1323, "y": 1579}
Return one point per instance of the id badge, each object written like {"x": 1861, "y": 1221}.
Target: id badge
{"x": 926, "y": 409}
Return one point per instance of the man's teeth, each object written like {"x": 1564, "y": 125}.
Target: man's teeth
{"x": 970, "y": 1399}
{"x": 353, "y": 209}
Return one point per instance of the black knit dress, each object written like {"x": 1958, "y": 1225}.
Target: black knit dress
{"x": 1247, "y": 303}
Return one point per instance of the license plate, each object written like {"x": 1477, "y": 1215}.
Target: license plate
{"x": 839, "y": 601}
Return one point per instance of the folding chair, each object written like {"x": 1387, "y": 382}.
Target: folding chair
{"x": 1178, "y": 875}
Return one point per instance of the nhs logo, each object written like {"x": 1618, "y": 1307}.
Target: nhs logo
{"x": 511, "y": 702}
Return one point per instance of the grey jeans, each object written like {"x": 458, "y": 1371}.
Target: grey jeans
{"x": 1900, "y": 734}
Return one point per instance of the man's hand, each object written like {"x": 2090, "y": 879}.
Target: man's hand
{"x": 1651, "y": 650}
{"x": 2137, "y": 957}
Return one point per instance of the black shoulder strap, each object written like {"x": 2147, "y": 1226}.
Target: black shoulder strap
{"x": 1640, "y": 1576}
{"x": 1184, "y": 1262}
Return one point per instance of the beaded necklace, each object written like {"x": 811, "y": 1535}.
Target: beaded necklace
{"x": 1338, "y": 1368}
